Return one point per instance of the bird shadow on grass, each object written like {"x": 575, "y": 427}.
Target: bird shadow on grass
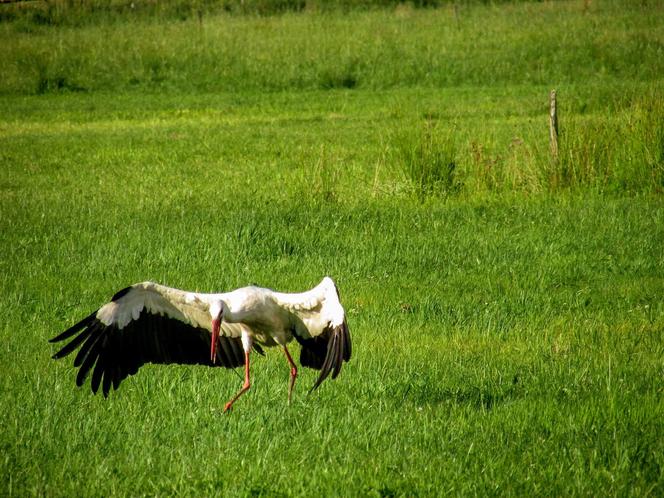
{"x": 484, "y": 397}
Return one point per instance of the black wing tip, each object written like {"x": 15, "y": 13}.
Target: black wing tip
{"x": 338, "y": 352}
{"x": 317, "y": 384}
{"x": 60, "y": 354}
{"x": 121, "y": 293}
{"x": 109, "y": 357}
{"x": 75, "y": 328}
{"x": 88, "y": 319}
{"x": 348, "y": 344}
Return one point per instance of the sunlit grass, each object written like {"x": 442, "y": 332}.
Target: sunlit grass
{"x": 534, "y": 43}
{"x": 506, "y": 314}
{"x": 502, "y": 343}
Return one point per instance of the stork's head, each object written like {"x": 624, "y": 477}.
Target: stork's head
{"x": 217, "y": 310}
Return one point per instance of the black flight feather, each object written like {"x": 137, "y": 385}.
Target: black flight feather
{"x": 326, "y": 352}
{"x": 112, "y": 354}
{"x": 75, "y": 328}
{"x": 75, "y": 343}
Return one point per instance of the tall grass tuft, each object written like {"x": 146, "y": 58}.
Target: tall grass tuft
{"x": 427, "y": 156}
{"x": 621, "y": 151}
{"x": 650, "y": 124}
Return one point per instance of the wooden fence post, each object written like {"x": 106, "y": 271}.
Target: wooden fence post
{"x": 553, "y": 125}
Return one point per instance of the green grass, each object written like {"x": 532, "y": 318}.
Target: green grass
{"x": 496, "y": 63}
{"x": 507, "y": 322}
{"x": 553, "y": 44}
{"x": 502, "y": 344}
{"x": 428, "y": 158}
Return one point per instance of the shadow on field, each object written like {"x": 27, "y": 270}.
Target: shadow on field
{"x": 478, "y": 397}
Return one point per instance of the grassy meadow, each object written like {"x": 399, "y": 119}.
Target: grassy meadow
{"x": 506, "y": 308}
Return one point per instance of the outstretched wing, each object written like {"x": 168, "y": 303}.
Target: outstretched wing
{"x": 325, "y": 338}
{"x": 146, "y": 323}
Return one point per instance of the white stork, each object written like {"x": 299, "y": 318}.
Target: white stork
{"x": 151, "y": 323}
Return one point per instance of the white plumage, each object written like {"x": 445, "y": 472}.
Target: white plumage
{"x": 152, "y": 323}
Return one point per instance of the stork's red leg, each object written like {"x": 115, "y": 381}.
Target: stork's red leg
{"x": 245, "y": 386}
{"x": 293, "y": 373}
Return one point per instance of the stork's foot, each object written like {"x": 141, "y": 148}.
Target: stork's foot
{"x": 247, "y": 382}
{"x": 244, "y": 389}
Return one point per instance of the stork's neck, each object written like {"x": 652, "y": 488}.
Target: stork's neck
{"x": 220, "y": 309}
{"x": 232, "y": 317}
{"x": 216, "y": 308}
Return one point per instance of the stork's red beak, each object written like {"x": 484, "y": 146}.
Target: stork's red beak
{"x": 216, "y": 324}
